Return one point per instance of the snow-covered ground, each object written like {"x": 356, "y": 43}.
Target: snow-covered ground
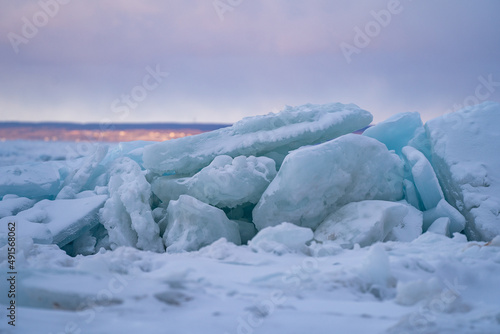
{"x": 390, "y": 232}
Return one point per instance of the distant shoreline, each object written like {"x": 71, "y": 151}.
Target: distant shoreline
{"x": 106, "y": 132}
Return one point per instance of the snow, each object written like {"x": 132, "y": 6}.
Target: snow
{"x": 273, "y": 134}
{"x": 226, "y": 182}
{"x": 315, "y": 181}
{"x": 10, "y": 205}
{"x": 391, "y": 232}
{"x": 385, "y": 288}
{"x": 465, "y": 146}
{"x": 193, "y": 224}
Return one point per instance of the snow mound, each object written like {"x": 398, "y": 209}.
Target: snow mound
{"x": 317, "y": 180}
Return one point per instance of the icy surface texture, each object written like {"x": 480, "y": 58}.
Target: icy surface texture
{"x": 424, "y": 177}
{"x": 260, "y": 135}
{"x": 440, "y": 226}
{"x": 367, "y": 222}
{"x": 32, "y": 180}
{"x": 226, "y": 182}
{"x": 465, "y": 154}
{"x": 317, "y": 180}
{"x": 400, "y": 130}
{"x": 193, "y": 224}
{"x": 66, "y": 220}
{"x": 281, "y": 239}
{"x": 442, "y": 210}
{"x": 10, "y": 205}
{"x": 79, "y": 178}
{"x": 127, "y": 213}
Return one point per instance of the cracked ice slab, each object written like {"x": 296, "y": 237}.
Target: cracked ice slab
{"x": 272, "y": 134}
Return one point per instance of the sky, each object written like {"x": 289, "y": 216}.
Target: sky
{"x": 221, "y": 60}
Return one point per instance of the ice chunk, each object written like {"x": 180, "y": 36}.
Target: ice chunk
{"x": 193, "y": 224}
{"x": 410, "y": 228}
{"x": 367, "y": 222}
{"x": 34, "y": 180}
{"x": 444, "y": 209}
{"x": 440, "y": 226}
{"x": 424, "y": 177}
{"x": 78, "y": 178}
{"x": 132, "y": 150}
{"x": 65, "y": 219}
{"x": 465, "y": 154}
{"x": 283, "y": 238}
{"x": 411, "y": 194}
{"x": 127, "y": 213}
{"x": 260, "y": 135}
{"x": 10, "y": 205}
{"x": 226, "y": 182}
{"x": 317, "y": 180}
{"x": 398, "y": 131}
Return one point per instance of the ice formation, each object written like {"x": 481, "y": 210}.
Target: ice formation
{"x": 273, "y": 134}
{"x": 226, "y": 182}
{"x": 372, "y": 228}
{"x": 465, "y": 154}
{"x": 282, "y": 238}
{"x": 32, "y": 180}
{"x": 193, "y": 224}
{"x": 65, "y": 220}
{"x": 127, "y": 213}
{"x": 400, "y": 130}
{"x": 300, "y": 170}
{"x": 367, "y": 222}
{"x": 315, "y": 181}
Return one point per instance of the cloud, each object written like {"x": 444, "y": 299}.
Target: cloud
{"x": 263, "y": 55}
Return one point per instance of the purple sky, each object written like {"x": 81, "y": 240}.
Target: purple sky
{"x": 90, "y": 60}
